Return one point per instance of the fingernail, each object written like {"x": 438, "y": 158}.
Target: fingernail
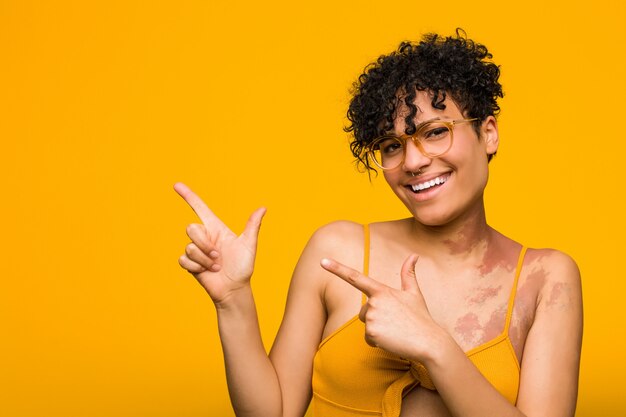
{"x": 214, "y": 254}
{"x": 325, "y": 262}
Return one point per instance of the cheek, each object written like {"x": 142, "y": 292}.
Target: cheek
{"x": 392, "y": 178}
{"x": 475, "y": 180}
{"x": 473, "y": 161}
{"x": 394, "y": 182}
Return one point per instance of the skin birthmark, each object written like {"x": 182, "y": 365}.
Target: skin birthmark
{"x": 556, "y": 293}
{"x": 491, "y": 263}
{"x": 493, "y": 260}
{"x": 495, "y": 325}
{"x": 461, "y": 244}
{"x": 559, "y": 295}
{"x": 473, "y": 333}
{"x": 536, "y": 279}
{"x": 484, "y": 294}
{"x": 538, "y": 276}
{"x": 467, "y": 327}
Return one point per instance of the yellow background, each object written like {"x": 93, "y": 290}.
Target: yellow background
{"x": 104, "y": 105}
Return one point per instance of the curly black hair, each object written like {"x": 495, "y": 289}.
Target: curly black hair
{"x": 453, "y": 65}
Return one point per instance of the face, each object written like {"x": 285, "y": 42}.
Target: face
{"x": 450, "y": 185}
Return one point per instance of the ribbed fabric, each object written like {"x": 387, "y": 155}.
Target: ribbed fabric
{"x": 351, "y": 378}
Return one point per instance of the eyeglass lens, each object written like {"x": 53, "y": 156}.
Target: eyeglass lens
{"x": 432, "y": 138}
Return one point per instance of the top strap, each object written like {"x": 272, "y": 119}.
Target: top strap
{"x": 518, "y": 270}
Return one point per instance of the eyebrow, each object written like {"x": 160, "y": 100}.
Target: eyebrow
{"x": 429, "y": 120}
{"x": 392, "y": 133}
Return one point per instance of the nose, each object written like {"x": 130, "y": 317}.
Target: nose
{"x": 414, "y": 159}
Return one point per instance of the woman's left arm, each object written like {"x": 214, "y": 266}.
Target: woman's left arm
{"x": 550, "y": 366}
{"x": 549, "y": 369}
{"x": 550, "y": 363}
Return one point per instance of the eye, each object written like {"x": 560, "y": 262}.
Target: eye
{"x": 435, "y": 133}
{"x": 391, "y": 146}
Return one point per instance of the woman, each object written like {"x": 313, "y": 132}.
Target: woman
{"x": 434, "y": 315}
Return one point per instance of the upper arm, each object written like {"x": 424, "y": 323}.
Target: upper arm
{"x": 305, "y": 314}
{"x": 550, "y": 364}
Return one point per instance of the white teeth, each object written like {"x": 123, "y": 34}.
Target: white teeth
{"x": 428, "y": 184}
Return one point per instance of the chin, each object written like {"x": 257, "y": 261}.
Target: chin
{"x": 431, "y": 218}
{"x": 430, "y": 222}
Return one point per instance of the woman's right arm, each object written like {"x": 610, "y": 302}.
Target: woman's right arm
{"x": 223, "y": 264}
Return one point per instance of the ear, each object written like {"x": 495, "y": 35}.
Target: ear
{"x": 489, "y": 131}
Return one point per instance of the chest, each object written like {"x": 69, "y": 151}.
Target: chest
{"x": 472, "y": 306}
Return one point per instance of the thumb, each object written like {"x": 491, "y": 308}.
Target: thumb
{"x": 251, "y": 232}
{"x": 407, "y": 275}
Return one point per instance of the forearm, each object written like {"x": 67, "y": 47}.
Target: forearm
{"x": 464, "y": 390}
{"x": 252, "y": 381}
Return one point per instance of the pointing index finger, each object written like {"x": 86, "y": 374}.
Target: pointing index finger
{"x": 365, "y": 284}
{"x": 199, "y": 207}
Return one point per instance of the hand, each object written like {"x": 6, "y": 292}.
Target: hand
{"x": 397, "y": 321}
{"x": 221, "y": 261}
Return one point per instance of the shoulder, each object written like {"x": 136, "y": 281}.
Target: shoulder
{"x": 336, "y": 238}
{"x": 557, "y": 265}
{"x": 560, "y": 276}
{"x": 339, "y": 240}
{"x": 339, "y": 228}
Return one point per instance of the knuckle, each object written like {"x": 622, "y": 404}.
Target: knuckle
{"x": 184, "y": 262}
{"x": 353, "y": 275}
{"x": 193, "y": 229}
{"x": 363, "y": 312}
{"x": 370, "y": 342}
{"x": 371, "y": 338}
{"x": 385, "y": 293}
{"x": 369, "y": 315}
{"x": 190, "y": 249}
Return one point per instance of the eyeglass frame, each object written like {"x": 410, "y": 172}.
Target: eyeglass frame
{"x": 404, "y": 138}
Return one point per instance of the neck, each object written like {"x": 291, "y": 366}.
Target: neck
{"x": 464, "y": 238}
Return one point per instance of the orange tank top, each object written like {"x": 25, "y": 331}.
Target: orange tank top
{"x": 351, "y": 378}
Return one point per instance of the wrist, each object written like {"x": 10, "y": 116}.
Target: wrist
{"x": 442, "y": 347}
{"x": 436, "y": 348}
{"x": 235, "y": 299}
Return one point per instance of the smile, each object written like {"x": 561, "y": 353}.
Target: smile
{"x": 428, "y": 184}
